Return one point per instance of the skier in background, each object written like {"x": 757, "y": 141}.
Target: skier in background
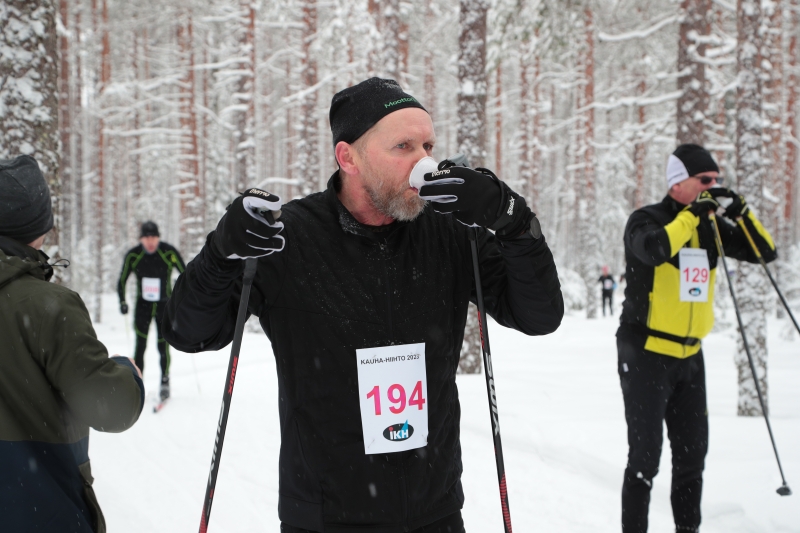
{"x": 56, "y": 378}
{"x": 608, "y": 286}
{"x": 671, "y": 256}
{"x": 152, "y": 261}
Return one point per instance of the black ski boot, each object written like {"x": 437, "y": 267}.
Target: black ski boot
{"x": 164, "y": 388}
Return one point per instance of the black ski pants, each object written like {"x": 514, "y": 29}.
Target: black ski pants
{"x": 449, "y": 524}
{"x": 658, "y": 388}
{"x": 608, "y": 297}
{"x": 145, "y": 312}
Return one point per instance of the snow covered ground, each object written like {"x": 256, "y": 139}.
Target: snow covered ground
{"x": 563, "y": 434}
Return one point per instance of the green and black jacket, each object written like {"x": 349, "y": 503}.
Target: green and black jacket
{"x": 56, "y": 381}
{"x": 652, "y": 308}
{"x": 156, "y": 265}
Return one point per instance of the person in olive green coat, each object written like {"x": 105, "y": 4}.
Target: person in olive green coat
{"x": 56, "y": 379}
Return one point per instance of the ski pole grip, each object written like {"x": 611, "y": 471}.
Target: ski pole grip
{"x": 250, "y": 266}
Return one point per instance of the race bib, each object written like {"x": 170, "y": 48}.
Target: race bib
{"x": 608, "y": 284}
{"x": 151, "y": 289}
{"x": 393, "y": 393}
{"x": 694, "y": 275}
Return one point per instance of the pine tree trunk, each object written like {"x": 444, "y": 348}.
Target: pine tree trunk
{"x": 191, "y": 227}
{"x": 790, "y": 131}
{"x": 29, "y": 92}
{"x": 245, "y": 97}
{"x": 587, "y": 193}
{"x": 640, "y": 152}
{"x": 693, "y": 103}
{"x": 65, "y": 127}
{"x": 471, "y": 135}
{"x": 750, "y": 284}
{"x": 307, "y": 153}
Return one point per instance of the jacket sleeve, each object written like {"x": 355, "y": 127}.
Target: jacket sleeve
{"x": 179, "y": 264}
{"x": 520, "y": 284}
{"x": 654, "y": 244}
{"x": 201, "y": 313}
{"x": 123, "y": 275}
{"x": 736, "y": 244}
{"x": 103, "y": 393}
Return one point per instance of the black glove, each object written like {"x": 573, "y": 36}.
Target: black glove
{"x": 123, "y": 308}
{"x": 244, "y": 232}
{"x": 703, "y": 204}
{"x": 738, "y": 206}
{"x": 476, "y": 198}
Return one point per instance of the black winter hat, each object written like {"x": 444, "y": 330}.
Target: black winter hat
{"x": 356, "y": 109}
{"x": 689, "y": 160}
{"x": 26, "y": 212}
{"x": 149, "y": 229}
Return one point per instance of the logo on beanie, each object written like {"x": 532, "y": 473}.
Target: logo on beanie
{"x": 400, "y": 101}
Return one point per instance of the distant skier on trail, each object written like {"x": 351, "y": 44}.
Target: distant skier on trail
{"x": 56, "y": 379}
{"x": 671, "y": 256}
{"x": 363, "y": 291}
{"x": 607, "y": 286}
{"x": 152, "y": 261}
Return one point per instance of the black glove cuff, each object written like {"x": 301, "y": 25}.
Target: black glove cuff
{"x": 512, "y": 213}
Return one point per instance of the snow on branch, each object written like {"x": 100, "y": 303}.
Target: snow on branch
{"x": 637, "y": 34}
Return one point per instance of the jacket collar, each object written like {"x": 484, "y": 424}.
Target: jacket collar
{"x": 37, "y": 259}
{"x": 672, "y": 204}
{"x": 348, "y": 222}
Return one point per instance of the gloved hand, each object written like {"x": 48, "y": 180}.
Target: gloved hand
{"x": 703, "y": 204}
{"x": 243, "y": 233}
{"x": 123, "y": 308}
{"x": 476, "y": 198}
{"x": 738, "y": 206}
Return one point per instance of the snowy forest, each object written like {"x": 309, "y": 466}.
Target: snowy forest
{"x": 164, "y": 110}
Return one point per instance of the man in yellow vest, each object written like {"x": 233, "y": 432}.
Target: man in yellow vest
{"x": 671, "y": 257}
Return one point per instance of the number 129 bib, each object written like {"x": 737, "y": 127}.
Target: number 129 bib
{"x": 694, "y": 275}
{"x": 393, "y": 393}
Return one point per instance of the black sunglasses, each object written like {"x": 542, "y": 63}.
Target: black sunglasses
{"x": 705, "y": 180}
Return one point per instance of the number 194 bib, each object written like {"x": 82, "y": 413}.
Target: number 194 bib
{"x": 694, "y": 275}
{"x": 393, "y": 393}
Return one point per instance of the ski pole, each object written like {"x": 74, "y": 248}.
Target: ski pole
{"x": 247, "y": 282}
{"x": 487, "y": 362}
{"x": 461, "y": 160}
{"x": 742, "y": 225}
{"x": 784, "y": 489}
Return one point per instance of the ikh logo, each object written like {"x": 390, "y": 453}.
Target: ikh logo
{"x": 695, "y": 291}
{"x": 398, "y": 432}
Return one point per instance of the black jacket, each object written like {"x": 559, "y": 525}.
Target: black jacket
{"x": 159, "y": 265}
{"x": 338, "y": 287}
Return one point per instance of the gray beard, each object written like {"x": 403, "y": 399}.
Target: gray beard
{"x": 392, "y": 204}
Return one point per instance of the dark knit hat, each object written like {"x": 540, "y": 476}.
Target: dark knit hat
{"x": 356, "y": 109}
{"x": 26, "y": 212}
{"x": 689, "y": 160}
{"x": 149, "y": 229}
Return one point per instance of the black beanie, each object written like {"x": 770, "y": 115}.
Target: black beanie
{"x": 356, "y": 109}
{"x": 696, "y": 159}
{"x": 149, "y": 229}
{"x": 25, "y": 209}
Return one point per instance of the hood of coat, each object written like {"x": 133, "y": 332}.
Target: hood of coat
{"x": 17, "y": 259}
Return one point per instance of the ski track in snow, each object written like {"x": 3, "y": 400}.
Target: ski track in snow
{"x": 562, "y": 423}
